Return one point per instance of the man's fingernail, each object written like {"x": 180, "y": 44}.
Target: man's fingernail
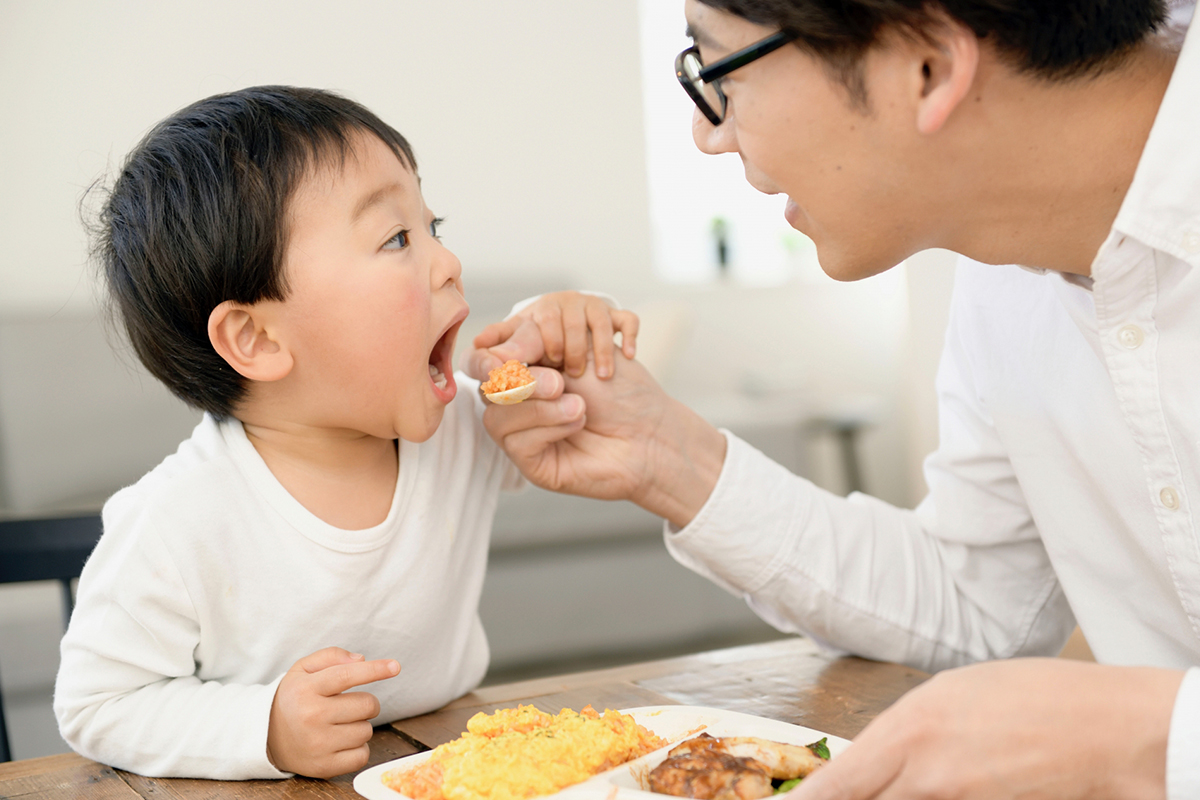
{"x": 572, "y": 405}
{"x": 356, "y": 656}
{"x": 602, "y": 372}
{"x": 393, "y": 666}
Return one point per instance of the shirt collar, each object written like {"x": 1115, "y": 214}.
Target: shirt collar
{"x": 1162, "y": 207}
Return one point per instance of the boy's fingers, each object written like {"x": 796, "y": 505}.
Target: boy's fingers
{"x": 550, "y": 327}
{"x": 628, "y": 324}
{"x": 349, "y": 760}
{"x": 599, "y": 320}
{"x": 328, "y": 657}
{"x": 353, "y": 707}
{"x": 575, "y": 339}
{"x": 340, "y": 677}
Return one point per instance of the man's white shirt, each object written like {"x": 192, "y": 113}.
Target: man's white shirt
{"x": 1066, "y": 485}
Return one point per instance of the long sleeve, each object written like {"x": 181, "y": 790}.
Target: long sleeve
{"x": 127, "y": 692}
{"x": 962, "y": 578}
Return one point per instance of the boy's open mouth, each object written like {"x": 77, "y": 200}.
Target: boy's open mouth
{"x": 440, "y": 367}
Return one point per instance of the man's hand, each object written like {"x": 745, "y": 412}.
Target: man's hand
{"x": 559, "y": 327}
{"x": 1028, "y": 728}
{"x": 616, "y": 439}
{"x": 318, "y": 728}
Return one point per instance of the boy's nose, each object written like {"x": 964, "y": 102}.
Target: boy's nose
{"x": 714, "y": 139}
{"x": 446, "y": 269}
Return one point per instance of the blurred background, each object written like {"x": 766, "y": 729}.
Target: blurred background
{"x": 555, "y": 140}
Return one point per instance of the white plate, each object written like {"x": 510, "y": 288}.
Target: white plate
{"x": 670, "y": 722}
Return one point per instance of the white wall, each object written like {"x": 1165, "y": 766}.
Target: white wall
{"x": 525, "y": 117}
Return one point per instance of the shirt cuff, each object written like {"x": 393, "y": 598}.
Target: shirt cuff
{"x": 260, "y": 725}
{"x": 743, "y": 530}
{"x": 1183, "y": 743}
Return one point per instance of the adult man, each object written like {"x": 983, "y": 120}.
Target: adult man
{"x": 1059, "y": 136}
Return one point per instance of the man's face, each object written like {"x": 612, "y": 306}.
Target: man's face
{"x": 799, "y": 133}
{"x": 375, "y": 301}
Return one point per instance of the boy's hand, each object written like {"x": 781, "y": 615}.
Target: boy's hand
{"x": 564, "y": 321}
{"x": 317, "y": 727}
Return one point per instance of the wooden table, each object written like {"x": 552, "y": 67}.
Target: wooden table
{"x": 788, "y": 680}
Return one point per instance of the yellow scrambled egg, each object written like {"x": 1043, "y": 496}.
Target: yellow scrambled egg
{"x": 519, "y": 753}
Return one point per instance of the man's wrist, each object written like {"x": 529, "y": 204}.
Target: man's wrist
{"x": 685, "y": 463}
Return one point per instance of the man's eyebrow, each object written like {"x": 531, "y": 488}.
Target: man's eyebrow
{"x": 702, "y": 37}
{"x": 373, "y": 199}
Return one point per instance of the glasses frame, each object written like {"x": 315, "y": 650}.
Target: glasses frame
{"x": 720, "y": 68}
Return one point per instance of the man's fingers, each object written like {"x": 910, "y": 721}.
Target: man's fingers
{"x": 503, "y": 421}
{"x": 330, "y": 656}
{"x": 628, "y": 324}
{"x": 524, "y": 344}
{"x": 599, "y": 320}
{"x": 496, "y": 333}
{"x": 863, "y": 771}
{"x": 549, "y": 383}
{"x": 341, "y": 677}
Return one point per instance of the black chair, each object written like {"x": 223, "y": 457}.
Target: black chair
{"x": 45, "y": 549}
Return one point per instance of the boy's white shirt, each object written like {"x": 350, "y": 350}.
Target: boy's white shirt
{"x": 211, "y": 580}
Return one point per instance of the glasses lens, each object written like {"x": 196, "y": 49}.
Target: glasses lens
{"x": 707, "y": 92}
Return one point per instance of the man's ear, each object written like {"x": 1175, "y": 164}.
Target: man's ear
{"x": 240, "y": 335}
{"x": 949, "y": 69}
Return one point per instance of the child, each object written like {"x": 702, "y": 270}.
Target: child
{"x": 273, "y": 262}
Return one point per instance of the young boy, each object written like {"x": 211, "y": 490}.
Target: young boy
{"x": 273, "y": 263}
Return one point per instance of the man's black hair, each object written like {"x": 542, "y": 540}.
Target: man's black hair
{"x": 198, "y": 216}
{"x": 1050, "y": 39}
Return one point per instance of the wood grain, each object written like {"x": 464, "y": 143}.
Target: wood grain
{"x": 386, "y": 745}
{"x": 65, "y": 775}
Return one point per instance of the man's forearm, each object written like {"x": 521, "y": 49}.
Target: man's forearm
{"x": 685, "y": 461}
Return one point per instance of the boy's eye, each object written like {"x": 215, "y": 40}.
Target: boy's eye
{"x": 434, "y": 225}
{"x": 397, "y": 242}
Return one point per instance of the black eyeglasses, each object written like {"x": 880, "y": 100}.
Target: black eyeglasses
{"x": 702, "y": 83}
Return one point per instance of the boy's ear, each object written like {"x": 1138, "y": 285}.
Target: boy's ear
{"x": 949, "y": 69}
{"x": 242, "y": 336}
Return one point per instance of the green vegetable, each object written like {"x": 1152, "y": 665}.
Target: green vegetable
{"x": 787, "y": 786}
{"x": 819, "y": 748}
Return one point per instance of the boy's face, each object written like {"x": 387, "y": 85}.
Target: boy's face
{"x": 374, "y": 300}
{"x": 849, "y": 174}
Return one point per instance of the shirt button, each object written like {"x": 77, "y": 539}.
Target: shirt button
{"x": 1191, "y": 242}
{"x": 1169, "y": 498}
{"x": 1131, "y": 337}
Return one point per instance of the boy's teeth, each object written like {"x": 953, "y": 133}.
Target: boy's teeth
{"x": 435, "y": 374}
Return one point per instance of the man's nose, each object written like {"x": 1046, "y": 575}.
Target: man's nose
{"x": 714, "y": 139}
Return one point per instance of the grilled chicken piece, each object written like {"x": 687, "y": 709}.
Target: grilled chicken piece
{"x": 708, "y": 774}
{"x": 784, "y": 761}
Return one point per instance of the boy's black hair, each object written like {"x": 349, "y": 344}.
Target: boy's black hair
{"x": 1050, "y": 39}
{"x": 198, "y": 216}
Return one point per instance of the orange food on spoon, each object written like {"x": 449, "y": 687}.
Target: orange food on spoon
{"x": 510, "y": 383}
